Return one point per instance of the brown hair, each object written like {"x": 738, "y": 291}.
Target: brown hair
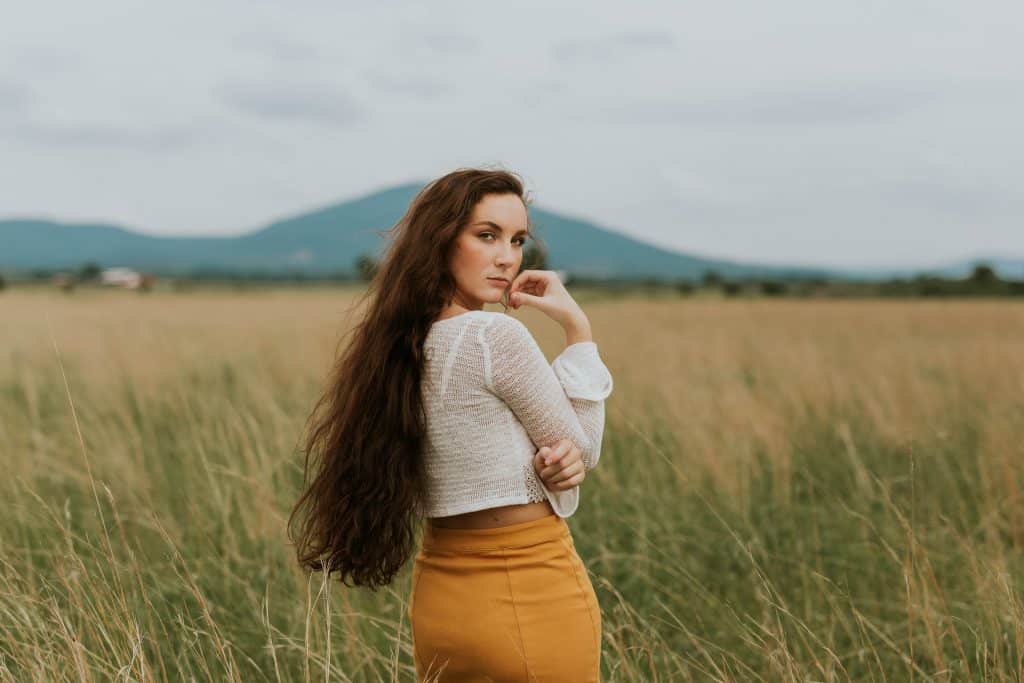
{"x": 358, "y": 512}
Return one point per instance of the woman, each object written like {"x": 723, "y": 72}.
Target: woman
{"x": 435, "y": 410}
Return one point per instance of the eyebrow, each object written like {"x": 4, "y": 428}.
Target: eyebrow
{"x": 497, "y": 227}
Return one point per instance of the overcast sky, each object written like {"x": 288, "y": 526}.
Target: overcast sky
{"x": 844, "y": 134}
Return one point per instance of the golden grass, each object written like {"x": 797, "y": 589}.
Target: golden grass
{"x": 789, "y": 490}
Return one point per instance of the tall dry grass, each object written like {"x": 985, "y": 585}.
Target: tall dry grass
{"x": 789, "y": 490}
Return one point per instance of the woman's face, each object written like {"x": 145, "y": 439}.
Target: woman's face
{"x": 489, "y": 246}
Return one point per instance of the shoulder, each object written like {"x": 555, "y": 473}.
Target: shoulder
{"x": 498, "y": 325}
{"x": 507, "y": 337}
{"x": 510, "y": 354}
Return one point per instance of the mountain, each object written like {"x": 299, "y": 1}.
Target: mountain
{"x": 330, "y": 239}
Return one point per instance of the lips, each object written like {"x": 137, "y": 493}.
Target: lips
{"x": 498, "y": 279}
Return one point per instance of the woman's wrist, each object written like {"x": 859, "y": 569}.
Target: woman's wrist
{"x": 578, "y": 330}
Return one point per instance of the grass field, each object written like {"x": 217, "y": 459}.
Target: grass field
{"x": 790, "y": 490}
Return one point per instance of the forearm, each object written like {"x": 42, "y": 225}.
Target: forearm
{"x": 587, "y": 383}
{"x": 591, "y": 415}
{"x": 578, "y": 330}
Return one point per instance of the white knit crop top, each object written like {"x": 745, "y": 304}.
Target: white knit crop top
{"x": 491, "y": 400}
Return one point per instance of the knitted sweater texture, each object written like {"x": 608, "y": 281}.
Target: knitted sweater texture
{"x": 491, "y": 400}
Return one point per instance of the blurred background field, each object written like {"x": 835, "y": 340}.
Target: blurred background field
{"x": 790, "y": 489}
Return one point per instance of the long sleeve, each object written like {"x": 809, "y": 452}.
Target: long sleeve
{"x": 562, "y": 400}
{"x": 587, "y": 383}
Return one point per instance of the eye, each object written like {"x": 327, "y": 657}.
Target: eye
{"x": 521, "y": 240}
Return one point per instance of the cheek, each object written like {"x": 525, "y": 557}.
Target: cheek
{"x": 468, "y": 258}
{"x": 475, "y": 255}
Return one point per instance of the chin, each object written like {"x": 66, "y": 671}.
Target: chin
{"x": 492, "y": 297}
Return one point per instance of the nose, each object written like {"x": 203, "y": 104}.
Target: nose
{"x": 505, "y": 256}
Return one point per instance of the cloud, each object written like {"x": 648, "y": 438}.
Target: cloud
{"x": 543, "y": 92}
{"x": 18, "y": 120}
{"x": 292, "y": 100}
{"x": 277, "y": 48}
{"x": 614, "y": 46}
{"x": 44, "y": 60}
{"x": 693, "y": 186}
{"x": 823, "y": 103}
{"x": 159, "y": 138}
{"x": 446, "y": 42}
{"x": 422, "y": 87}
{"x": 962, "y": 198}
{"x": 14, "y": 97}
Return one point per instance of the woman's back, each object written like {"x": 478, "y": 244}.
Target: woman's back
{"x": 491, "y": 399}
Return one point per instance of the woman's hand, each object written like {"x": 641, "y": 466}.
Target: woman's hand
{"x": 561, "y": 467}
{"x": 543, "y": 290}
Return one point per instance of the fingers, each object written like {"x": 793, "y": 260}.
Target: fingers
{"x": 567, "y": 453}
{"x": 566, "y": 468}
{"x": 564, "y": 452}
{"x": 572, "y": 481}
{"x": 531, "y": 281}
{"x": 519, "y": 298}
{"x": 566, "y": 484}
{"x": 556, "y": 473}
{"x": 527, "y": 276}
{"x": 538, "y": 461}
{"x": 543, "y": 290}
{"x": 556, "y": 454}
{"x": 531, "y": 286}
{"x": 528, "y": 290}
{"x": 549, "y": 461}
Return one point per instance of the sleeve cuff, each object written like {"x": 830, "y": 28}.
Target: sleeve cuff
{"x": 563, "y": 502}
{"x": 582, "y": 373}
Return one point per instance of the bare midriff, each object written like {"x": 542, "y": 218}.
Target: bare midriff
{"x": 495, "y": 517}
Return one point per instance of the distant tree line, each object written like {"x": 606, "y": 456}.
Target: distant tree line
{"x": 982, "y": 281}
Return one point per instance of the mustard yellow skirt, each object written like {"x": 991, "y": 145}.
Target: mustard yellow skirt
{"x": 512, "y": 603}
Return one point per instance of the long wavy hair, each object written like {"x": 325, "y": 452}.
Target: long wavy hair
{"x": 364, "y": 481}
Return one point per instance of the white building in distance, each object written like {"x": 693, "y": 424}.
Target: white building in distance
{"x": 124, "y": 277}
